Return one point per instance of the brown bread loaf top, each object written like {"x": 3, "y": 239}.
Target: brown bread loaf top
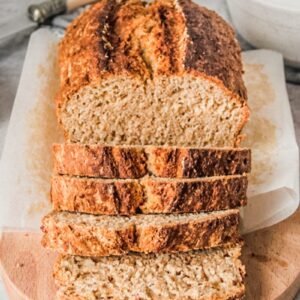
{"x": 90, "y": 235}
{"x": 181, "y": 59}
{"x": 136, "y": 161}
{"x": 95, "y": 43}
{"x": 148, "y": 195}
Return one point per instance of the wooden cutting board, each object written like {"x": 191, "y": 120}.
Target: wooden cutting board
{"x": 272, "y": 258}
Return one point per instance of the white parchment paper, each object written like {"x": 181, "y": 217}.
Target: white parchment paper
{"x": 26, "y": 163}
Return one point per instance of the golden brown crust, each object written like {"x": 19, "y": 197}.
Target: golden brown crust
{"x": 74, "y": 239}
{"x": 212, "y": 48}
{"x": 99, "y": 44}
{"x": 144, "y": 41}
{"x": 99, "y": 161}
{"x": 78, "y": 49}
{"x": 127, "y": 197}
{"x": 186, "y": 196}
{"x": 86, "y": 239}
{"x": 94, "y": 196}
{"x": 164, "y": 42}
{"x": 184, "y": 237}
{"x": 120, "y": 37}
{"x": 197, "y": 162}
{"x": 136, "y": 162}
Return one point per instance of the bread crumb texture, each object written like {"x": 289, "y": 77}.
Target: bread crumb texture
{"x": 206, "y": 275}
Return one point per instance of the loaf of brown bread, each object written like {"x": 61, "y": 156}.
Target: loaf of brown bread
{"x": 162, "y": 73}
{"x": 215, "y": 274}
{"x": 137, "y": 161}
{"x": 152, "y": 104}
{"x": 90, "y": 235}
{"x": 148, "y": 195}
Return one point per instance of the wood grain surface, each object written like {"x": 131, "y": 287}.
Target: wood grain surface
{"x": 272, "y": 258}
{"x": 26, "y": 267}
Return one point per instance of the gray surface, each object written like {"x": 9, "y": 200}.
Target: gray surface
{"x": 12, "y": 55}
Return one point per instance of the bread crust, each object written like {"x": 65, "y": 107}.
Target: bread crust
{"x": 137, "y": 162}
{"x": 214, "y": 52}
{"x": 103, "y": 43}
{"x": 127, "y": 197}
{"x": 209, "y": 46}
{"x": 89, "y": 240}
{"x": 212, "y": 48}
{"x": 99, "y": 161}
{"x": 197, "y": 162}
{"x": 94, "y": 46}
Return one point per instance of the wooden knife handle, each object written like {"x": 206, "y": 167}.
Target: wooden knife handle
{"x": 39, "y": 13}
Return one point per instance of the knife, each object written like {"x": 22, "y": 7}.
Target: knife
{"x": 38, "y": 14}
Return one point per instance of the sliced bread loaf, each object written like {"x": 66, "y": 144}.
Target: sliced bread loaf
{"x": 148, "y": 195}
{"x": 162, "y": 73}
{"x": 90, "y": 235}
{"x": 198, "y": 275}
{"x": 136, "y": 161}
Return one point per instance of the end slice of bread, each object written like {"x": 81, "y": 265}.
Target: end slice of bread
{"x": 198, "y": 275}
{"x": 90, "y": 235}
{"x": 148, "y": 195}
{"x": 135, "y": 161}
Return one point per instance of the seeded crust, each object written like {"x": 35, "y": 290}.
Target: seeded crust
{"x": 89, "y": 235}
{"x": 135, "y": 161}
{"x": 213, "y": 274}
{"x": 148, "y": 195}
{"x": 129, "y": 50}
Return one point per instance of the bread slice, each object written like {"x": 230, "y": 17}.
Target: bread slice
{"x": 90, "y": 235}
{"x": 148, "y": 195}
{"x": 137, "y": 161}
{"x": 198, "y": 275}
{"x": 162, "y": 73}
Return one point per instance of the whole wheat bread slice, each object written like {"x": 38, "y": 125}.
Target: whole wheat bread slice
{"x": 198, "y": 275}
{"x": 147, "y": 195}
{"x": 90, "y": 235}
{"x": 137, "y": 161}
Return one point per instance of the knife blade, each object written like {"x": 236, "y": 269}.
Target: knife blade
{"x": 19, "y": 24}
{"x": 37, "y": 14}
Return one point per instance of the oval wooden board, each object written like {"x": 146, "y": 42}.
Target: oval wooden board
{"x": 272, "y": 258}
